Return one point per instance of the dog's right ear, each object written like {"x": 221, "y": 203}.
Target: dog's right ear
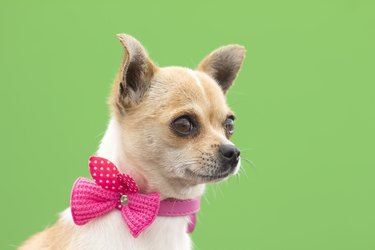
{"x": 133, "y": 80}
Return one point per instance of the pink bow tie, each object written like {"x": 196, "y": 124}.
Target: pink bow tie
{"x": 112, "y": 189}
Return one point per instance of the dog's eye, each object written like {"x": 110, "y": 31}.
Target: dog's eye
{"x": 183, "y": 125}
{"x": 229, "y": 126}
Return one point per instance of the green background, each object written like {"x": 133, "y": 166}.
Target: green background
{"x": 305, "y": 100}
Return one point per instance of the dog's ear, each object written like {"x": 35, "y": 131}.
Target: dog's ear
{"x": 135, "y": 74}
{"x": 223, "y": 64}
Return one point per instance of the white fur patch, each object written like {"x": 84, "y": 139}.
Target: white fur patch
{"x": 197, "y": 81}
{"x": 111, "y": 232}
{"x": 110, "y": 146}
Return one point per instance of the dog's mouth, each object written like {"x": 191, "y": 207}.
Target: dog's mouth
{"x": 214, "y": 177}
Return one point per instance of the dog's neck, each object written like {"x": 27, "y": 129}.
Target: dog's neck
{"x": 111, "y": 148}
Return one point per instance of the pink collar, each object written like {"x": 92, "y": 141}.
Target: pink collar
{"x": 174, "y": 207}
{"x": 114, "y": 190}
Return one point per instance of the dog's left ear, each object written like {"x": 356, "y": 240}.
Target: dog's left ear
{"x": 223, "y": 64}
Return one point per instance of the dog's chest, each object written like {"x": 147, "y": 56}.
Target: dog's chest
{"x": 110, "y": 232}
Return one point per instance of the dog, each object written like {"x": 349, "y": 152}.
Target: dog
{"x": 170, "y": 130}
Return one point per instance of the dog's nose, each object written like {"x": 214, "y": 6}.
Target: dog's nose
{"x": 230, "y": 154}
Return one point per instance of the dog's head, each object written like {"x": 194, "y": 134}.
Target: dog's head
{"x": 176, "y": 124}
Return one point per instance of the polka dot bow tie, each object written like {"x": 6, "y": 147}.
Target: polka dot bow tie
{"x": 114, "y": 190}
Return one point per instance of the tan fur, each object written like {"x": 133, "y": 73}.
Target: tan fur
{"x": 145, "y": 100}
{"x": 181, "y": 95}
{"x": 57, "y": 237}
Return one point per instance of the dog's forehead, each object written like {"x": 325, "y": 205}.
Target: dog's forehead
{"x": 183, "y": 86}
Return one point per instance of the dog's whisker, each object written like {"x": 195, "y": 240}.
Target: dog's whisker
{"x": 206, "y": 199}
{"x": 251, "y": 163}
{"x": 242, "y": 170}
{"x": 238, "y": 177}
{"x": 220, "y": 190}
{"x": 199, "y": 150}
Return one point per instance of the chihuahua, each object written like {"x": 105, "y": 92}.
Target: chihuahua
{"x": 170, "y": 130}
